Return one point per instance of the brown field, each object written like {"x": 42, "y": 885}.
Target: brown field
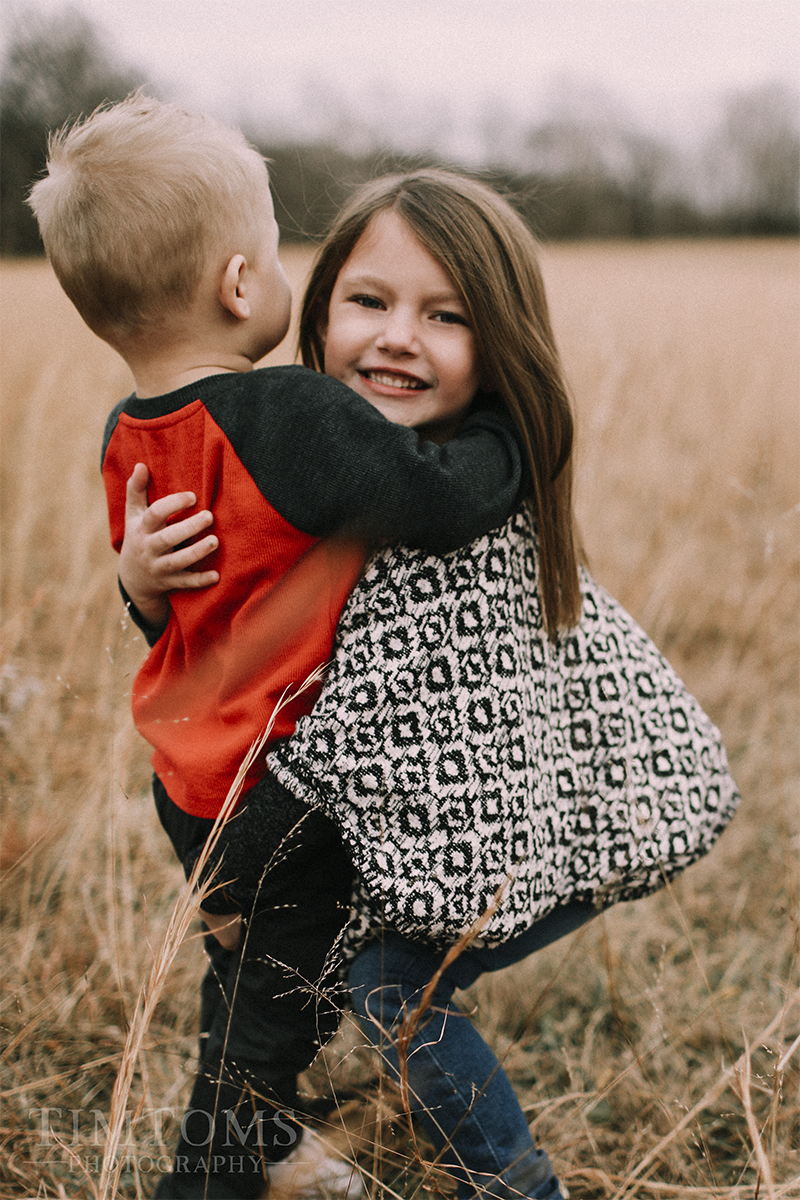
{"x": 657, "y": 1051}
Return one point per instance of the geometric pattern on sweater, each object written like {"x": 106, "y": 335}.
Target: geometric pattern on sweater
{"x": 461, "y": 752}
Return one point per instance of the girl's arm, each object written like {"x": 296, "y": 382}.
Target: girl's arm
{"x": 154, "y": 559}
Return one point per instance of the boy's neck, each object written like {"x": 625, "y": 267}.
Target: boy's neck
{"x": 211, "y": 335}
{"x": 158, "y": 377}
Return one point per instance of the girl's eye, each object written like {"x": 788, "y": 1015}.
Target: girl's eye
{"x": 450, "y": 318}
{"x": 367, "y": 301}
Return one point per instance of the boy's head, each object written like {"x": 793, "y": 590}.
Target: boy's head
{"x": 140, "y": 201}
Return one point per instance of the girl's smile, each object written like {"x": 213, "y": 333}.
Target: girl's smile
{"x": 398, "y": 331}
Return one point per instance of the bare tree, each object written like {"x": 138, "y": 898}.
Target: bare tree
{"x": 54, "y": 70}
{"x": 754, "y": 160}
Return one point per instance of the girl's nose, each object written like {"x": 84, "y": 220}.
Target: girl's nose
{"x": 398, "y": 334}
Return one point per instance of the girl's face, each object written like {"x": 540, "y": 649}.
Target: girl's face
{"x": 397, "y": 330}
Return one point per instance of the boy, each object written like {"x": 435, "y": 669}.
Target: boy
{"x": 160, "y": 228}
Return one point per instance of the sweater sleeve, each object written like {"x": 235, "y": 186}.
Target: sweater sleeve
{"x": 151, "y": 632}
{"x": 352, "y": 469}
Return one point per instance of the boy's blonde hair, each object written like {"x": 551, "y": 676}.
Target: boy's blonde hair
{"x": 137, "y": 201}
{"x": 491, "y": 255}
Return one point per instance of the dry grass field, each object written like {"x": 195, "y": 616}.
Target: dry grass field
{"x": 658, "y": 1050}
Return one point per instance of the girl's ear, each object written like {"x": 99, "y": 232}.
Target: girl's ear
{"x": 232, "y": 290}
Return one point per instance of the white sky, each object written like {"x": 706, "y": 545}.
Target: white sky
{"x": 436, "y": 63}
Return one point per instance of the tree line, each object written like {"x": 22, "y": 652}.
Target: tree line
{"x": 571, "y": 176}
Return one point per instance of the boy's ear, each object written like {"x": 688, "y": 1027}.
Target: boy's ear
{"x": 232, "y": 290}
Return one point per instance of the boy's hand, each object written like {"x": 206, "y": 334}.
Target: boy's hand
{"x": 149, "y": 564}
{"x": 226, "y": 929}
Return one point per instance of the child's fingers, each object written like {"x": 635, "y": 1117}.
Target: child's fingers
{"x": 136, "y": 489}
{"x": 161, "y": 510}
{"x": 165, "y": 538}
{"x": 187, "y": 556}
{"x": 186, "y": 581}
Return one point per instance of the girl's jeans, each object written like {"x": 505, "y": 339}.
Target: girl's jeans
{"x": 457, "y": 1088}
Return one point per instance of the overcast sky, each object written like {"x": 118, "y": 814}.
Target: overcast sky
{"x": 286, "y": 64}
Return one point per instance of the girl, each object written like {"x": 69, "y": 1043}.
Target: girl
{"x": 503, "y": 749}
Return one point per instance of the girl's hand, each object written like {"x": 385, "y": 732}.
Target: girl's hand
{"x": 149, "y": 563}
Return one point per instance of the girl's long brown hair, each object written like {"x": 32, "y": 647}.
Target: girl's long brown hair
{"x": 492, "y": 256}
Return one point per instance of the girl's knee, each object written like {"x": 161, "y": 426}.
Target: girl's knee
{"x": 377, "y": 1003}
{"x": 386, "y": 980}
{"x": 364, "y": 978}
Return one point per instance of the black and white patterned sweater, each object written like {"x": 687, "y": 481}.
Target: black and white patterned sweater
{"x": 464, "y": 756}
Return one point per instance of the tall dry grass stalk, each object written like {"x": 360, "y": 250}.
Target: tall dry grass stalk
{"x": 183, "y": 913}
{"x": 656, "y": 1051}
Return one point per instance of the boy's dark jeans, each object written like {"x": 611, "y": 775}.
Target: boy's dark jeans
{"x": 265, "y": 1011}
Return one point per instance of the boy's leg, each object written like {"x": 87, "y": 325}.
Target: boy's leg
{"x": 238, "y": 1106}
{"x": 266, "y": 1012}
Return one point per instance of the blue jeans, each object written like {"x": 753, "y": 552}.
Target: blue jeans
{"x": 457, "y": 1088}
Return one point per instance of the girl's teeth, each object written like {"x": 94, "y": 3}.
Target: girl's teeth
{"x": 397, "y": 381}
